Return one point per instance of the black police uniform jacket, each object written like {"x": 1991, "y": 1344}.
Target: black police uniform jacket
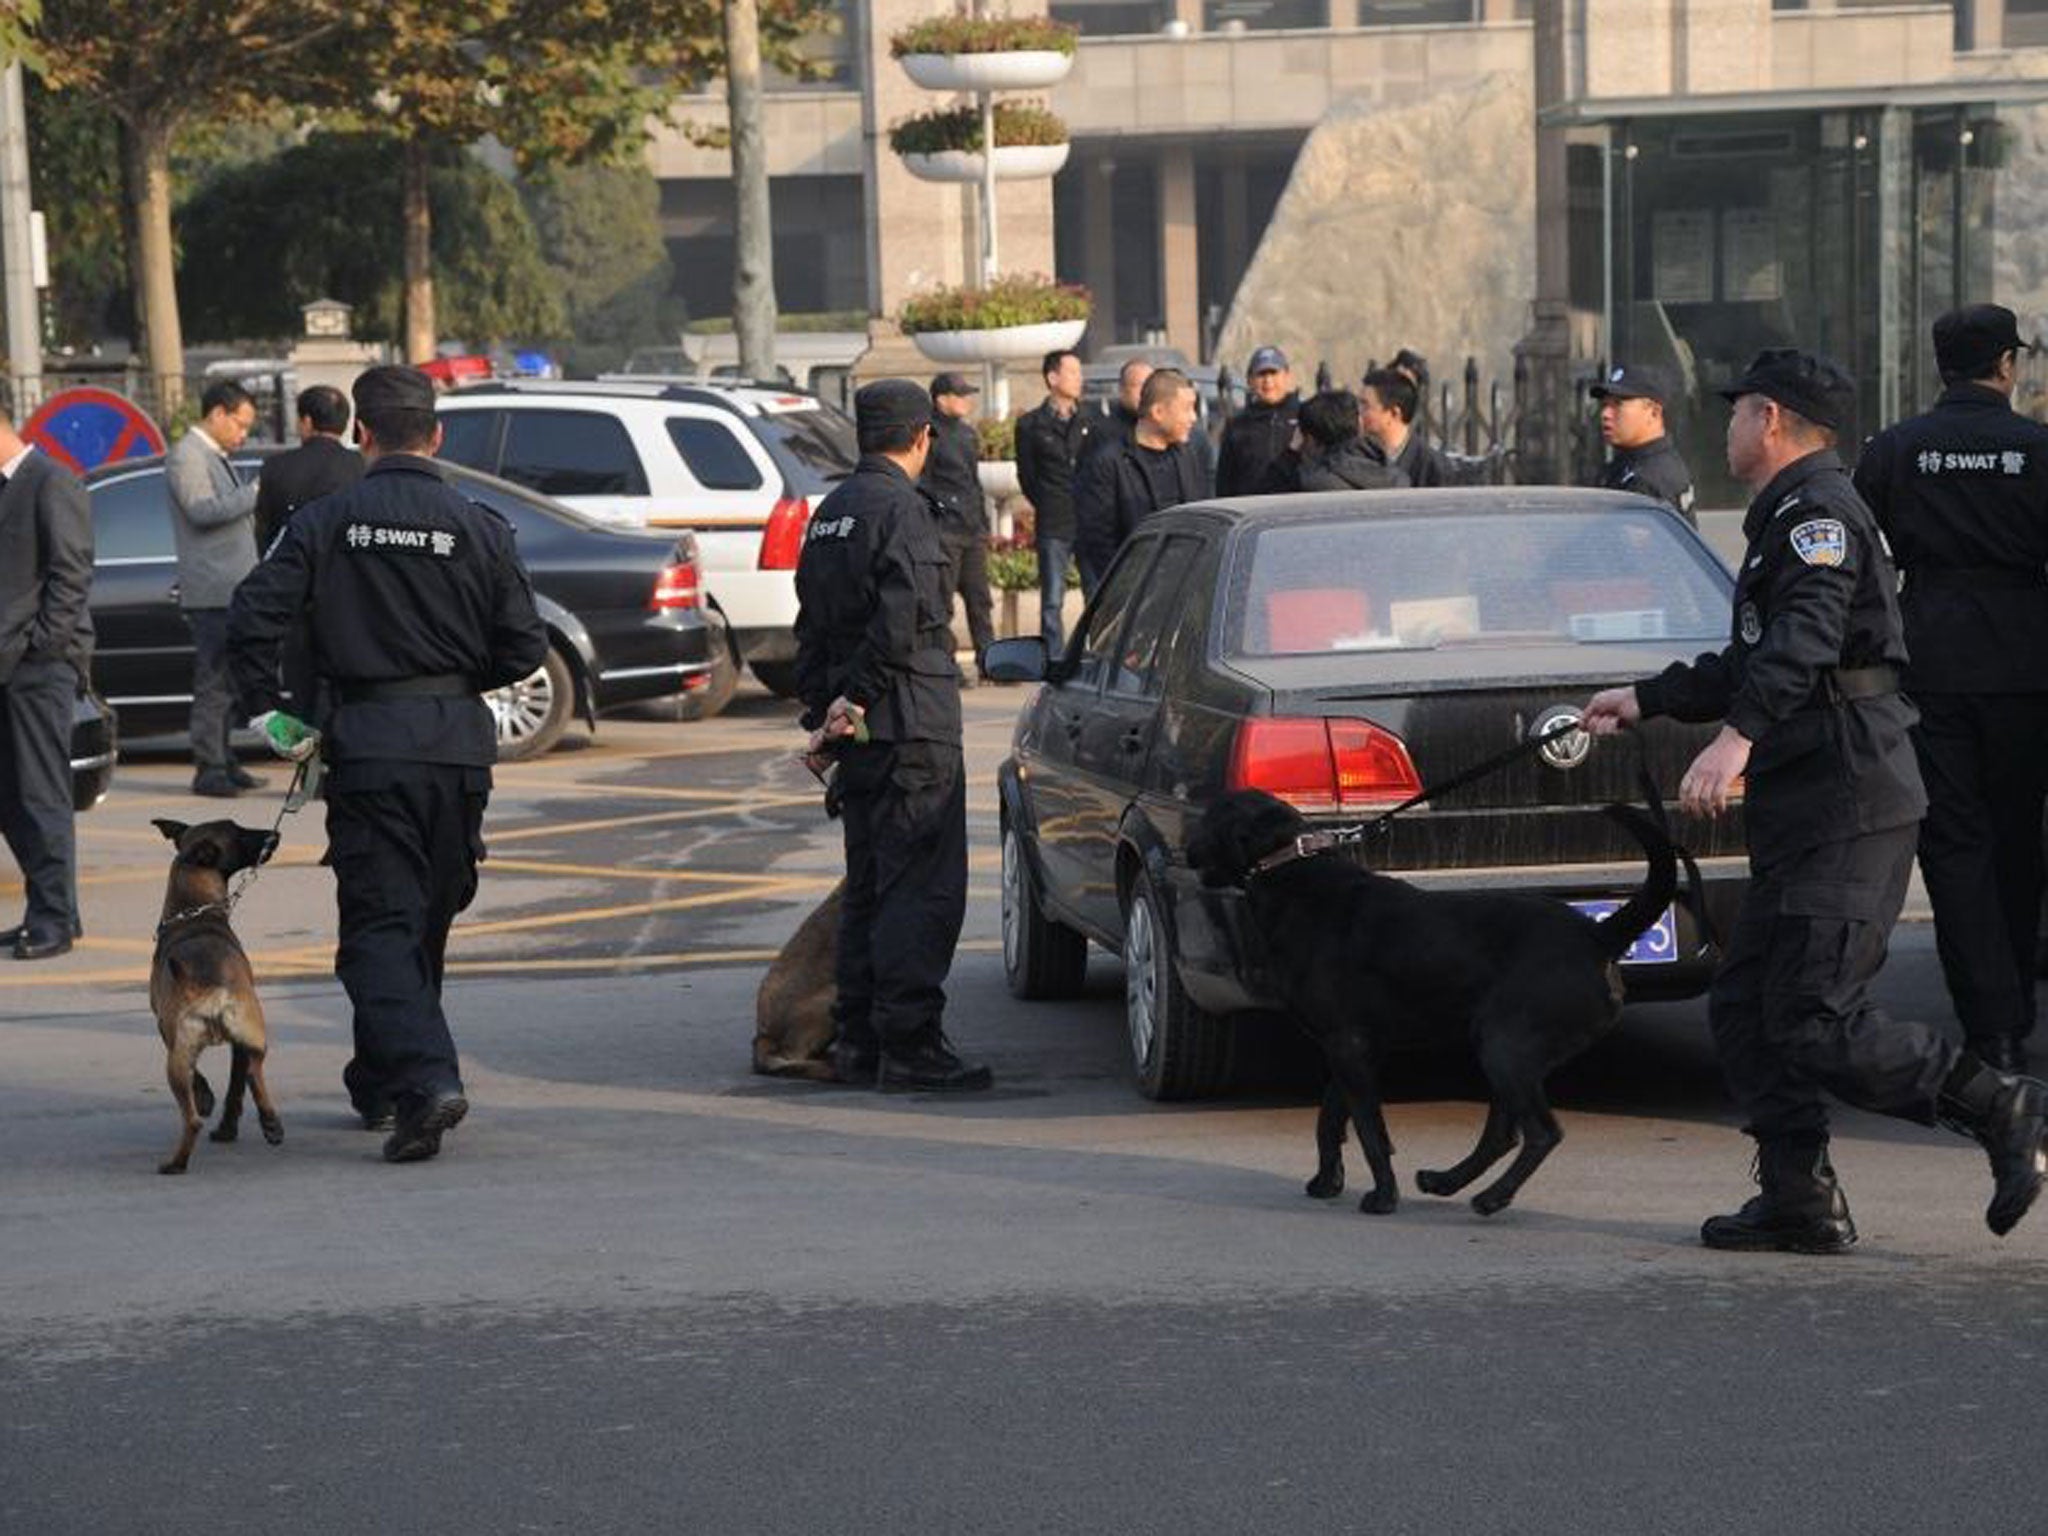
{"x": 1256, "y": 436}
{"x": 1962, "y": 494}
{"x": 1654, "y": 469}
{"x": 1809, "y": 674}
{"x": 1049, "y": 451}
{"x": 875, "y": 609}
{"x": 952, "y": 477}
{"x": 402, "y": 580}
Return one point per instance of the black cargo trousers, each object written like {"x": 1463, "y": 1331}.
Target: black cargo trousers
{"x": 904, "y": 814}
{"x": 404, "y": 839}
{"x": 1790, "y": 1007}
{"x": 1984, "y": 758}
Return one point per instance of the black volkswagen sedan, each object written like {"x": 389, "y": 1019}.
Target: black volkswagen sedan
{"x": 624, "y": 610}
{"x": 1344, "y": 652}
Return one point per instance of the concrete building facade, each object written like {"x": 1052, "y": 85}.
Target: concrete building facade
{"x": 1693, "y": 178}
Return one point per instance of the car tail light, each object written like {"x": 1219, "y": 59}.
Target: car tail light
{"x": 1323, "y": 764}
{"x": 783, "y": 539}
{"x": 676, "y": 586}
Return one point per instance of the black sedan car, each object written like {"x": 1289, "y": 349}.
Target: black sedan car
{"x": 624, "y": 610}
{"x": 1344, "y": 652}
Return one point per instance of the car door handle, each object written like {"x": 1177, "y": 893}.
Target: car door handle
{"x": 1132, "y": 740}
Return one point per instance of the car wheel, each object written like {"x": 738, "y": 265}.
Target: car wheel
{"x": 724, "y": 678}
{"x": 778, "y": 677}
{"x": 1179, "y": 1051}
{"x": 533, "y": 712}
{"x": 1041, "y": 958}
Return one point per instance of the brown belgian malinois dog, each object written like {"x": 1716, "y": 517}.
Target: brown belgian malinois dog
{"x": 793, "y": 1010}
{"x": 200, "y": 985}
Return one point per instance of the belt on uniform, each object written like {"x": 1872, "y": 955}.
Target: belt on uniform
{"x": 440, "y": 685}
{"x": 1861, "y": 682}
{"x": 1998, "y": 577}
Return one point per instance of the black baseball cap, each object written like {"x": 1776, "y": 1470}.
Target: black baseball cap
{"x": 953, "y": 384}
{"x": 888, "y": 403}
{"x": 1817, "y": 387}
{"x": 392, "y": 387}
{"x": 1266, "y": 360}
{"x": 1637, "y": 381}
{"x": 1970, "y": 340}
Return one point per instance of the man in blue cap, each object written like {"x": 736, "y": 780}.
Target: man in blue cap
{"x": 1962, "y": 494}
{"x": 881, "y": 694}
{"x": 1261, "y": 432}
{"x": 1808, "y": 688}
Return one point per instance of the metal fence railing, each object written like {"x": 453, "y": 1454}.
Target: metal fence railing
{"x": 171, "y": 401}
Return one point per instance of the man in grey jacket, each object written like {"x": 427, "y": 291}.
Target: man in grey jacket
{"x": 213, "y": 521}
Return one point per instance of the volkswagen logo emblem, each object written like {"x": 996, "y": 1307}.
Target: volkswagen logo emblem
{"x": 1564, "y": 751}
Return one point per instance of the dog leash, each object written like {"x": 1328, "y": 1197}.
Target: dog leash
{"x": 304, "y": 780}
{"x": 1325, "y": 840}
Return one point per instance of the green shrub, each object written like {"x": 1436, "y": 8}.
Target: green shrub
{"x": 984, "y": 34}
{"x": 1017, "y": 123}
{"x": 1010, "y": 301}
{"x": 998, "y": 436}
{"x": 1013, "y": 570}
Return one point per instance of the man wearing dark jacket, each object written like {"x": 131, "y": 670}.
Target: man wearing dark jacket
{"x": 875, "y": 672}
{"x": 952, "y": 474}
{"x": 1962, "y": 494}
{"x": 1815, "y": 725}
{"x": 1388, "y": 406}
{"x": 45, "y": 658}
{"x": 1633, "y": 399}
{"x": 320, "y": 464}
{"x": 1157, "y": 469}
{"x": 1050, "y": 443}
{"x": 1262, "y": 431}
{"x": 1327, "y": 453}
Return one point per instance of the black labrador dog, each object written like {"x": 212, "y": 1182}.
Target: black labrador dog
{"x": 1365, "y": 960}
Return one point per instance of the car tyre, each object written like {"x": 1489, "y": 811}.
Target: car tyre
{"x": 1178, "y": 1050}
{"x": 778, "y": 677}
{"x": 1042, "y": 958}
{"x": 724, "y": 679}
{"x": 533, "y": 712}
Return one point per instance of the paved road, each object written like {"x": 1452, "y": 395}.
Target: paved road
{"x": 646, "y": 1290}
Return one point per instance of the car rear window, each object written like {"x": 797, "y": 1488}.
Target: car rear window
{"x": 813, "y": 446}
{"x": 1402, "y": 583}
{"x": 716, "y": 459}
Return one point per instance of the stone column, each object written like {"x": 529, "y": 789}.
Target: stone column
{"x": 1986, "y": 24}
{"x": 1180, "y": 290}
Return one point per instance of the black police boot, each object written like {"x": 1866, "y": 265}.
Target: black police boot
{"x": 2008, "y": 1116}
{"x": 421, "y": 1123}
{"x": 929, "y": 1065}
{"x": 855, "y": 1059}
{"x": 1801, "y": 1208}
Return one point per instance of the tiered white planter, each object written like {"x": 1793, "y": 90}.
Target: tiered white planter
{"x": 1014, "y": 162}
{"x": 1031, "y": 69}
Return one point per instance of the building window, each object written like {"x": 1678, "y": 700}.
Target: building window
{"x": 1264, "y": 15}
{"x": 2026, "y": 23}
{"x": 830, "y": 49}
{"x": 1114, "y": 18}
{"x": 1417, "y": 13}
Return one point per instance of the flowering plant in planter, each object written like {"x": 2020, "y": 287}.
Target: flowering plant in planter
{"x": 1009, "y": 301}
{"x": 1017, "y": 124}
{"x": 984, "y": 34}
{"x": 998, "y": 436}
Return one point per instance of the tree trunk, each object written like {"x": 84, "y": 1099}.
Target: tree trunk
{"x": 152, "y": 269}
{"x": 421, "y": 331}
{"x": 753, "y": 283}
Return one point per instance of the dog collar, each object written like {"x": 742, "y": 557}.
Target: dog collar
{"x": 191, "y": 912}
{"x": 1308, "y": 844}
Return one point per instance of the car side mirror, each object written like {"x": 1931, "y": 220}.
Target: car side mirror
{"x": 1022, "y": 660}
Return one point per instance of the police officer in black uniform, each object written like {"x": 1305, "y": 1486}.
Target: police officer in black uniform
{"x": 880, "y": 692}
{"x": 416, "y": 602}
{"x": 1962, "y": 494}
{"x": 952, "y": 473}
{"x": 1809, "y": 689}
{"x": 1633, "y": 401}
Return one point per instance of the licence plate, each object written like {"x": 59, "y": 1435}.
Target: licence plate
{"x": 1657, "y": 944}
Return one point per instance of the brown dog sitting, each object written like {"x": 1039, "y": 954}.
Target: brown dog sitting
{"x": 793, "y": 1009}
{"x": 200, "y": 985}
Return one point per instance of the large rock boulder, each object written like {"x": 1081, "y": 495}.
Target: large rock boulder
{"x": 1410, "y": 225}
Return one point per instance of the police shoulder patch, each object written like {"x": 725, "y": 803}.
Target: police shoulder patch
{"x": 1821, "y": 541}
